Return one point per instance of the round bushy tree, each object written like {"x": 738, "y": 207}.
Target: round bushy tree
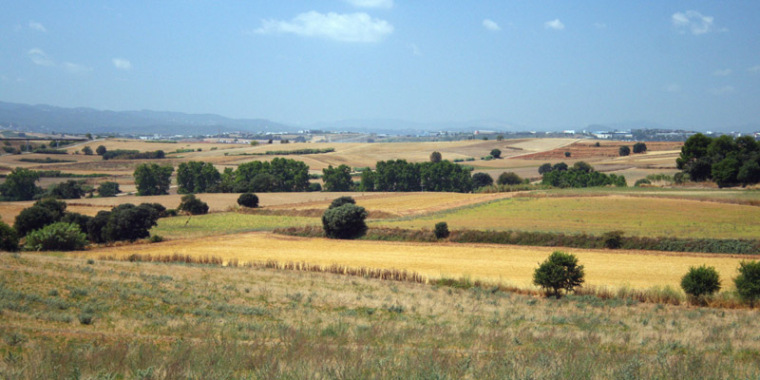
{"x": 624, "y": 150}
{"x": 748, "y": 281}
{"x": 560, "y": 271}
{"x": 337, "y": 202}
{"x": 435, "y": 157}
{"x": 481, "y": 180}
{"x": 496, "y": 153}
{"x": 193, "y": 205}
{"x": 101, "y": 150}
{"x": 248, "y": 200}
{"x": 8, "y": 238}
{"x": 700, "y": 282}
{"x": 58, "y": 236}
{"x": 42, "y": 213}
{"x": 544, "y": 168}
{"x": 639, "y": 147}
{"x": 509, "y": 178}
{"x": 441, "y": 230}
{"x": 108, "y": 189}
{"x": 345, "y": 222}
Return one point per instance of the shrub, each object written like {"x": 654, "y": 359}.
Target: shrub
{"x": 314, "y": 187}
{"x": 435, "y": 157}
{"x": 509, "y": 178}
{"x": 248, "y": 200}
{"x": 193, "y": 205}
{"x": 100, "y": 150}
{"x": 700, "y": 282}
{"x": 613, "y": 239}
{"x": 748, "y": 282}
{"x": 87, "y": 151}
{"x": 108, "y": 189}
{"x": 42, "y": 213}
{"x": 496, "y": 153}
{"x": 58, "y": 236}
{"x": 8, "y": 238}
{"x": 481, "y": 180}
{"x": 639, "y": 147}
{"x": 344, "y": 222}
{"x": 642, "y": 181}
{"x": 567, "y": 154}
{"x": 337, "y": 202}
{"x": 560, "y": 271}
{"x": 441, "y": 230}
{"x": 624, "y": 150}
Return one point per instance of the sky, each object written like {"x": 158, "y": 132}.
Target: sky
{"x": 542, "y": 65}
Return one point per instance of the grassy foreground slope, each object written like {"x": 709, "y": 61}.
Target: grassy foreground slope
{"x": 65, "y": 318}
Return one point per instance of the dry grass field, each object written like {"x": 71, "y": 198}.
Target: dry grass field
{"x": 509, "y": 265}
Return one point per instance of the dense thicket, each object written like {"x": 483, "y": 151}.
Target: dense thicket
{"x": 123, "y": 222}
{"x": 400, "y": 175}
{"x": 278, "y": 175}
{"x": 725, "y": 160}
{"x": 197, "y": 177}
{"x": 581, "y": 174}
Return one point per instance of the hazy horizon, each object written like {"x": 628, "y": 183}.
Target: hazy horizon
{"x": 545, "y": 65}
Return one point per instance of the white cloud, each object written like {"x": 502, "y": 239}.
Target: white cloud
{"x": 722, "y": 73}
{"x": 122, "y": 64}
{"x": 384, "y": 4}
{"x": 673, "y": 87}
{"x": 415, "y": 50}
{"x": 554, "y": 24}
{"x": 694, "y": 22}
{"x": 725, "y": 90}
{"x": 491, "y": 25}
{"x": 754, "y": 69}
{"x": 355, "y": 27}
{"x": 75, "y": 68}
{"x": 39, "y": 57}
{"x": 37, "y": 26}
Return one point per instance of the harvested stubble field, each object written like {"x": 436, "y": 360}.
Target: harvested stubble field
{"x": 65, "y": 318}
{"x": 508, "y": 265}
{"x": 636, "y": 216}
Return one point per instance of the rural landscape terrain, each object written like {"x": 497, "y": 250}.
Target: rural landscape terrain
{"x": 262, "y": 292}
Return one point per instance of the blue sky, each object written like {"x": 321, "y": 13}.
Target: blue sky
{"x": 537, "y": 64}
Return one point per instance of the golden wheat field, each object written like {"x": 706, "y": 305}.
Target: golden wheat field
{"x": 511, "y": 265}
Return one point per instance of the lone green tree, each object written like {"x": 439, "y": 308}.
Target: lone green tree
{"x": 248, "y": 200}
{"x": 559, "y": 272}
{"x": 345, "y": 221}
{"x": 639, "y": 147}
{"x": 192, "y": 205}
{"x": 509, "y": 178}
{"x": 481, "y": 180}
{"x": 20, "y": 185}
{"x": 101, "y": 150}
{"x": 436, "y": 157}
{"x": 87, "y": 151}
{"x": 441, "y": 230}
{"x": 748, "y": 282}
{"x": 496, "y": 153}
{"x": 152, "y": 179}
{"x": 624, "y": 150}
{"x": 700, "y": 282}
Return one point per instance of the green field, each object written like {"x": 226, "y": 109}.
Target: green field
{"x": 179, "y": 227}
{"x": 114, "y": 320}
{"x": 636, "y": 216}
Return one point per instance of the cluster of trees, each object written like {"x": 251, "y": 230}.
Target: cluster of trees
{"x": 638, "y": 147}
{"x": 400, "y": 175}
{"x": 725, "y": 160}
{"x": 581, "y": 174}
{"x": 21, "y": 185}
{"x": 278, "y": 175}
{"x": 48, "y": 226}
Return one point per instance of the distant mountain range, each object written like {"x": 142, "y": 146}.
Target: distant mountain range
{"x": 44, "y": 118}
